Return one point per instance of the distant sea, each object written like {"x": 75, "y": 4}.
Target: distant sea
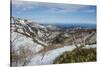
{"x": 73, "y": 26}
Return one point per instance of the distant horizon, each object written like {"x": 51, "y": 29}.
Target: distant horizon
{"x": 53, "y": 23}
{"x": 54, "y": 13}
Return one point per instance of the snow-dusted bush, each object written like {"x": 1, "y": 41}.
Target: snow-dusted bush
{"x": 84, "y": 55}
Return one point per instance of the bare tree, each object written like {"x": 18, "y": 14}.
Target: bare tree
{"x": 80, "y": 43}
{"x": 22, "y": 54}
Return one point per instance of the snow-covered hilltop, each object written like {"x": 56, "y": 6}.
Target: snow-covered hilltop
{"x": 41, "y": 34}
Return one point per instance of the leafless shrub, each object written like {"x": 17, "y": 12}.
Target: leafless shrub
{"x": 81, "y": 43}
{"x": 22, "y": 55}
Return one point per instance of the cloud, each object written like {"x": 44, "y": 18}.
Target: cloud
{"x": 18, "y": 2}
{"x": 90, "y": 11}
{"x": 54, "y": 12}
{"x": 51, "y": 6}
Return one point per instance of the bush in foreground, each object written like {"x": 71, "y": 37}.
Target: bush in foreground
{"x": 77, "y": 55}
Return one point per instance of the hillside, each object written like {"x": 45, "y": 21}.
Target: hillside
{"x": 31, "y": 38}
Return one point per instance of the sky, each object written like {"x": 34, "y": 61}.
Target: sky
{"x": 54, "y": 13}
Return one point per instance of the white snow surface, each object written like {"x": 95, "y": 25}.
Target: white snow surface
{"x": 51, "y": 55}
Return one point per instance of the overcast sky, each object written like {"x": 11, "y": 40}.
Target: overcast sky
{"x": 54, "y": 13}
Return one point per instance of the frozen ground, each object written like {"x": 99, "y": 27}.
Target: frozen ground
{"x": 50, "y": 56}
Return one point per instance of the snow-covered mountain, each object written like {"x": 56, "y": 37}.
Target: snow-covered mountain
{"x": 38, "y": 33}
{"x": 43, "y": 39}
{"x": 47, "y": 34}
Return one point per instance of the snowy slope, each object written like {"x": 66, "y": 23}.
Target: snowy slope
{"x": 50, "y": 56}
